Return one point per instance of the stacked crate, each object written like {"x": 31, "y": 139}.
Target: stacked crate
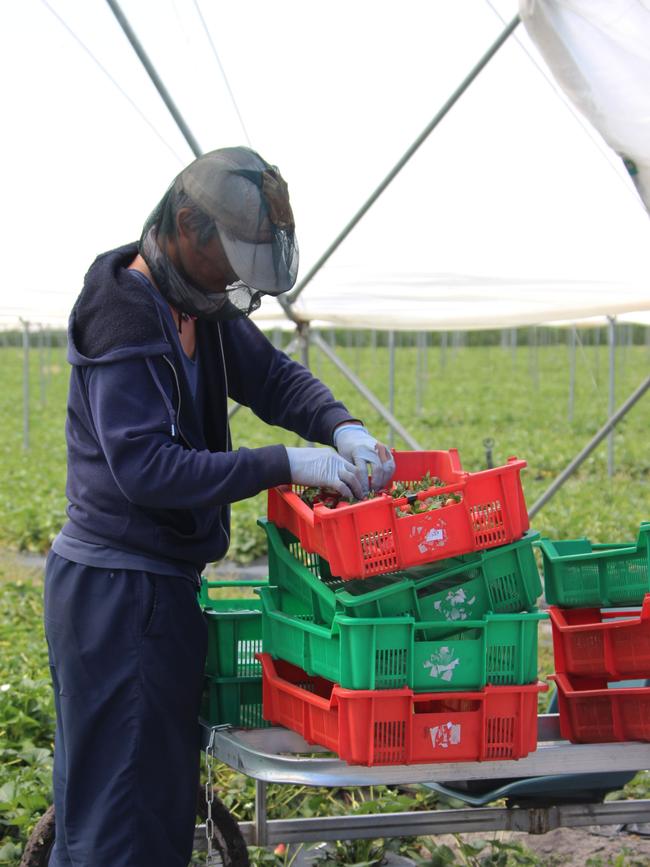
{"x": 233, "y": 675}
{"x": 397, "y": 637}
{"x": 600, "y": 615}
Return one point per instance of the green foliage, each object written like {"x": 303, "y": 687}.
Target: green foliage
{"x": 477, "y": 853}
{"x": 32, "y": 494}
{"x": 26, "y": 717}
{"x": 519, "y": 399}
{"x": 623, "y": 859}
{"x": 638, "y": 788}
{"x": 478, "y": 392}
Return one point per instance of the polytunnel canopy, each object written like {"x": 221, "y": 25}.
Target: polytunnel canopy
{"x": 588, "y": 262}
{"x": 514, "y": 188}
{"x": 356, "y": 299}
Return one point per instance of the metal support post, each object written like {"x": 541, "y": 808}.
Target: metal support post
{"x": 420, "y": 371}
{"x": 261, "y": 826}
{"x": 48, "y": 356}
{"x": 612, "y": 392}
{"x": 25, "y": 384}
{"x": 443, "y": 350}
{"x": 303, "y": 340}
{"x": 391, "y": 383}
{"x": 303, "y": 344}
{"x": 357, "y": 352}
{"x": 41, "y": 363}
{"x": 372, "y": 399}
{"x": 591, "y": 445}
{"x": 572, "y": 372}
{"x": 533, "y": 356}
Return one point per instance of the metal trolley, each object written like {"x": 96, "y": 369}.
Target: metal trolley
{"x": 277, "y": 755}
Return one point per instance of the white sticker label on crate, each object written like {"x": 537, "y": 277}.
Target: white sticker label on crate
{"x": 434, "y": 537}
{"x": 445, "y": 735}
{"x": 441, "y": 664}
{"x": 456, "y": 605}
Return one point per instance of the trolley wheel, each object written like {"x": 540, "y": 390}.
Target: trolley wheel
{"x": 41, "y": 842}
{"x": 227, "y": 840}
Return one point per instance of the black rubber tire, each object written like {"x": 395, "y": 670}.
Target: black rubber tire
{"x": 227, "y": 840}
{"x": 41, "y": 842}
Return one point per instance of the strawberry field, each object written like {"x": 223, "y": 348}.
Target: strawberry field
{"x": 518, "y": 398}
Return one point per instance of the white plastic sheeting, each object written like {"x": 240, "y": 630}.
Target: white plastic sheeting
{"x": 509, "y": 184}
{"x": 442, "y": 302}
{"x": 599, "y": 52}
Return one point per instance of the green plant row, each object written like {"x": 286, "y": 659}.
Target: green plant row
{"x": 519, "y": 399}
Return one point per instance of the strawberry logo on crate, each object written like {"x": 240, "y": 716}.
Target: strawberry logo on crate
{"x": 446, "y": 735}
{"x": 428, "y": 539}
{"x": 441, "y": 664}
{"x": 456, "y": 605}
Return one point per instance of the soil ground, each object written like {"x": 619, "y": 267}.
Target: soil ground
{"x": 575, "y": 847}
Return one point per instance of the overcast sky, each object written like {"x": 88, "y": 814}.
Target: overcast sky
{"x": 510, "y": 183}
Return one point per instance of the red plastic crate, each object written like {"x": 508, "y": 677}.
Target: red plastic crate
{"x": 589, "y": 642}
{"x": 363, "y": 539}
{"x": 398, "y": 726}
{"x": 590, "y": 713}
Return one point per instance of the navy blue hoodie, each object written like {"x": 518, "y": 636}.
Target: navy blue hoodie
{"x": 146, "y": 474}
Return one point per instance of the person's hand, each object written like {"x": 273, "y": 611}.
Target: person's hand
{"x": 355, "y": 444}
{"x": 324, "y": 468}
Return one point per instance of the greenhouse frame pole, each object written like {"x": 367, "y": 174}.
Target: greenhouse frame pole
{"x": 286, "y": 303}
{"x": 451, "y": 101}
{"x": 155, "y": 78}
{"x": 372, "y": 399}
{"x": 391, "y": 383}
{"x": 606, "y": 429}
{"x": 612, "y": 391}
{"x": 25, "y": 325}
{"x": 572, "y": 373}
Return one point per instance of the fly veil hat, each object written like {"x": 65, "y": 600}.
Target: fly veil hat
{"x": 247, "y": 201}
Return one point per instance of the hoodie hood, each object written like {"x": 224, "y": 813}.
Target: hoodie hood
{"x": 115, "y": 317}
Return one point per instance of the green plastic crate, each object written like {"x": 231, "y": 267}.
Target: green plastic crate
{"x": 579, "y": 574}
{"x": 234, "y": 700}
{"x": 234, "y": 637}
{"x": 502, "y": 580}
{"x": 233, "y": 683}
{"x": 393, "y": 652}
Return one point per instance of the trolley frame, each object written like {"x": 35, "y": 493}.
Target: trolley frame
{"x": 276, "y": 755}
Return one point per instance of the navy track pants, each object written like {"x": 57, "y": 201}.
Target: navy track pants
{"x": 127, "y": 654}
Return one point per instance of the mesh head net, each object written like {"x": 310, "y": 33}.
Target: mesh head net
{"x": 236, "y": 195}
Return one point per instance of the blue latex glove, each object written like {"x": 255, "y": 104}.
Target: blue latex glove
{"x": 355, "y": 444}
{"x": 324, "y": 468}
